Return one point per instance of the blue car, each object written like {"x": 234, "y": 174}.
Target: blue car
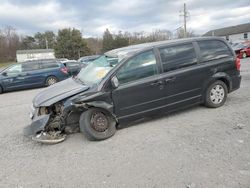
{"x": 31, "y": 74}
{"x": 87, "y": 59}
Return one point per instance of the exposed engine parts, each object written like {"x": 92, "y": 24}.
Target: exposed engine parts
{"x": 61, "y": 122}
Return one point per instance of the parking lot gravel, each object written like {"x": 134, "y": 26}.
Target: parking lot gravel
{"x": 196, "y": 147}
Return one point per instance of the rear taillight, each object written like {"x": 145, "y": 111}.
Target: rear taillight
{"x": 64, "y": 70}
{"x": 237, "y": 63}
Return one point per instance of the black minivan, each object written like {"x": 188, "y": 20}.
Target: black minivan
{"x": 133, "y": 82}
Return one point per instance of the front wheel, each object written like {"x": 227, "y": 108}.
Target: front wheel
{"x": 97, "y": 124}
{"x": 216, "y": 94}
{"x": 51, "y": 80}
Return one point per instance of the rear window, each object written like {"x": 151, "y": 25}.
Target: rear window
{"x": 49, "y": 64}
{"x": 175, "y": 57}
{"x": 213, "y": 49}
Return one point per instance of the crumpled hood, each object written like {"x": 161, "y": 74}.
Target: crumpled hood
{"x": 58, "y": 92}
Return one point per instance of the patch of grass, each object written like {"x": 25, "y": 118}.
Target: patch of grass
{"x": 5, "y": 64}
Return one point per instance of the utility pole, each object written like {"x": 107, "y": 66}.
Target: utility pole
{"x": 46, "y": 42}
{"x": 79, "y": 54}
{"x": 185, "y": 20}
{"x": 184, "y": 13}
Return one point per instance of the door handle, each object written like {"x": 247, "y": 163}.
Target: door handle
{"x": 23, "y": 74}
{"x": 157, "y": 83}
{"x": 170, "y": 80}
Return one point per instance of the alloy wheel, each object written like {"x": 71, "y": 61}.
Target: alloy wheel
{"x": 51, "y": 81}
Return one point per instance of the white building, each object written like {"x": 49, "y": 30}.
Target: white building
{"x": 24, "y": 55}
{"x": 238, "y": 33}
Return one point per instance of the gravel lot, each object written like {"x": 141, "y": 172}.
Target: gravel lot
{"x": 198, "y": 147}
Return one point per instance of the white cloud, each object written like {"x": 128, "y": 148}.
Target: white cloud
{"x": 48, "y": 15}
{"x": 93, "y": 17}
{"x": 202, "y": 20}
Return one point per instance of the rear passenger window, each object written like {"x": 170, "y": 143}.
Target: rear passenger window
{"x": 213, "y": 49}
{"x": 49, "y": 64}
{"x": 30, "y": 66}
{"x": 175, "y": 57}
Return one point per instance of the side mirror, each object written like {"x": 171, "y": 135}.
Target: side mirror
{"x": 4, "y": 73}
{"x": 115, "y": 82}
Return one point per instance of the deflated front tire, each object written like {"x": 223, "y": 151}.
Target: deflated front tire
{"x": 97, "y": 124}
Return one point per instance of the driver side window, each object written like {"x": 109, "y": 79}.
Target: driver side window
{"x": 141, "y": 66}
{"x": 15, "y": 69}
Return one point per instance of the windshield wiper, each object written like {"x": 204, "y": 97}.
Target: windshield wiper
{"x": 78, "y": 80}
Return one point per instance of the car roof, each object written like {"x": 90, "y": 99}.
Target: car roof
{"x": 42, "y": 60}
{"x": 120, "y": 53}
{"x": 89, "y": 57}
{"x": 70, "y": 61}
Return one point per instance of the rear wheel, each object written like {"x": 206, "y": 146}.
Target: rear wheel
{"x": 97, "y": 124}
{"x": 51, "y": 80}
{"x": 244, "y": 55}
{"x": 216, "y": 94}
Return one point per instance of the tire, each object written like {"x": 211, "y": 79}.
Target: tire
{"x": 216, "y": 94}
{"x": 51, "y": 80}
{"x": 244, "y": 55}
{"x": 92, "y": 130}
{"x": 1, "y": 89}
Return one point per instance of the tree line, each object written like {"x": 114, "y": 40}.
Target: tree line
{"x": 70, "y": 43}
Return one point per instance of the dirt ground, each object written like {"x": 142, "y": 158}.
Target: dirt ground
{"x": 197, "y": 147}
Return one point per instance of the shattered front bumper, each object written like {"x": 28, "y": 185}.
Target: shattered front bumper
{"x": 37, "y": 129}
{"x": 38, "y": 123}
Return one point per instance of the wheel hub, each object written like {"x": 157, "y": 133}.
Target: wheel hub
{"x": 51, "y": 81}
{"x": 99, "y": 122}
{"x": 217, "y": 94}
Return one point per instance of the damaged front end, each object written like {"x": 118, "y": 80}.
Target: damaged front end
{"x": 51, "y": 124}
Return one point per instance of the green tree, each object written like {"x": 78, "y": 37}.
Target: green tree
{"x": 28, "y": 42}
{"x": 108, "y": 41}
{"x": 70, "y": 44}
{"x": 46, "y": 39}
{"x": 120, "y": 40}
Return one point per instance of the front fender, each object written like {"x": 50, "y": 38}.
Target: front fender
{"x": 102, "y": 104}
{"x": 71, "y": 106}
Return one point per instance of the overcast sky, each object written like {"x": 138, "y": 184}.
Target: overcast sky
{"x": 92, "y": 17}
